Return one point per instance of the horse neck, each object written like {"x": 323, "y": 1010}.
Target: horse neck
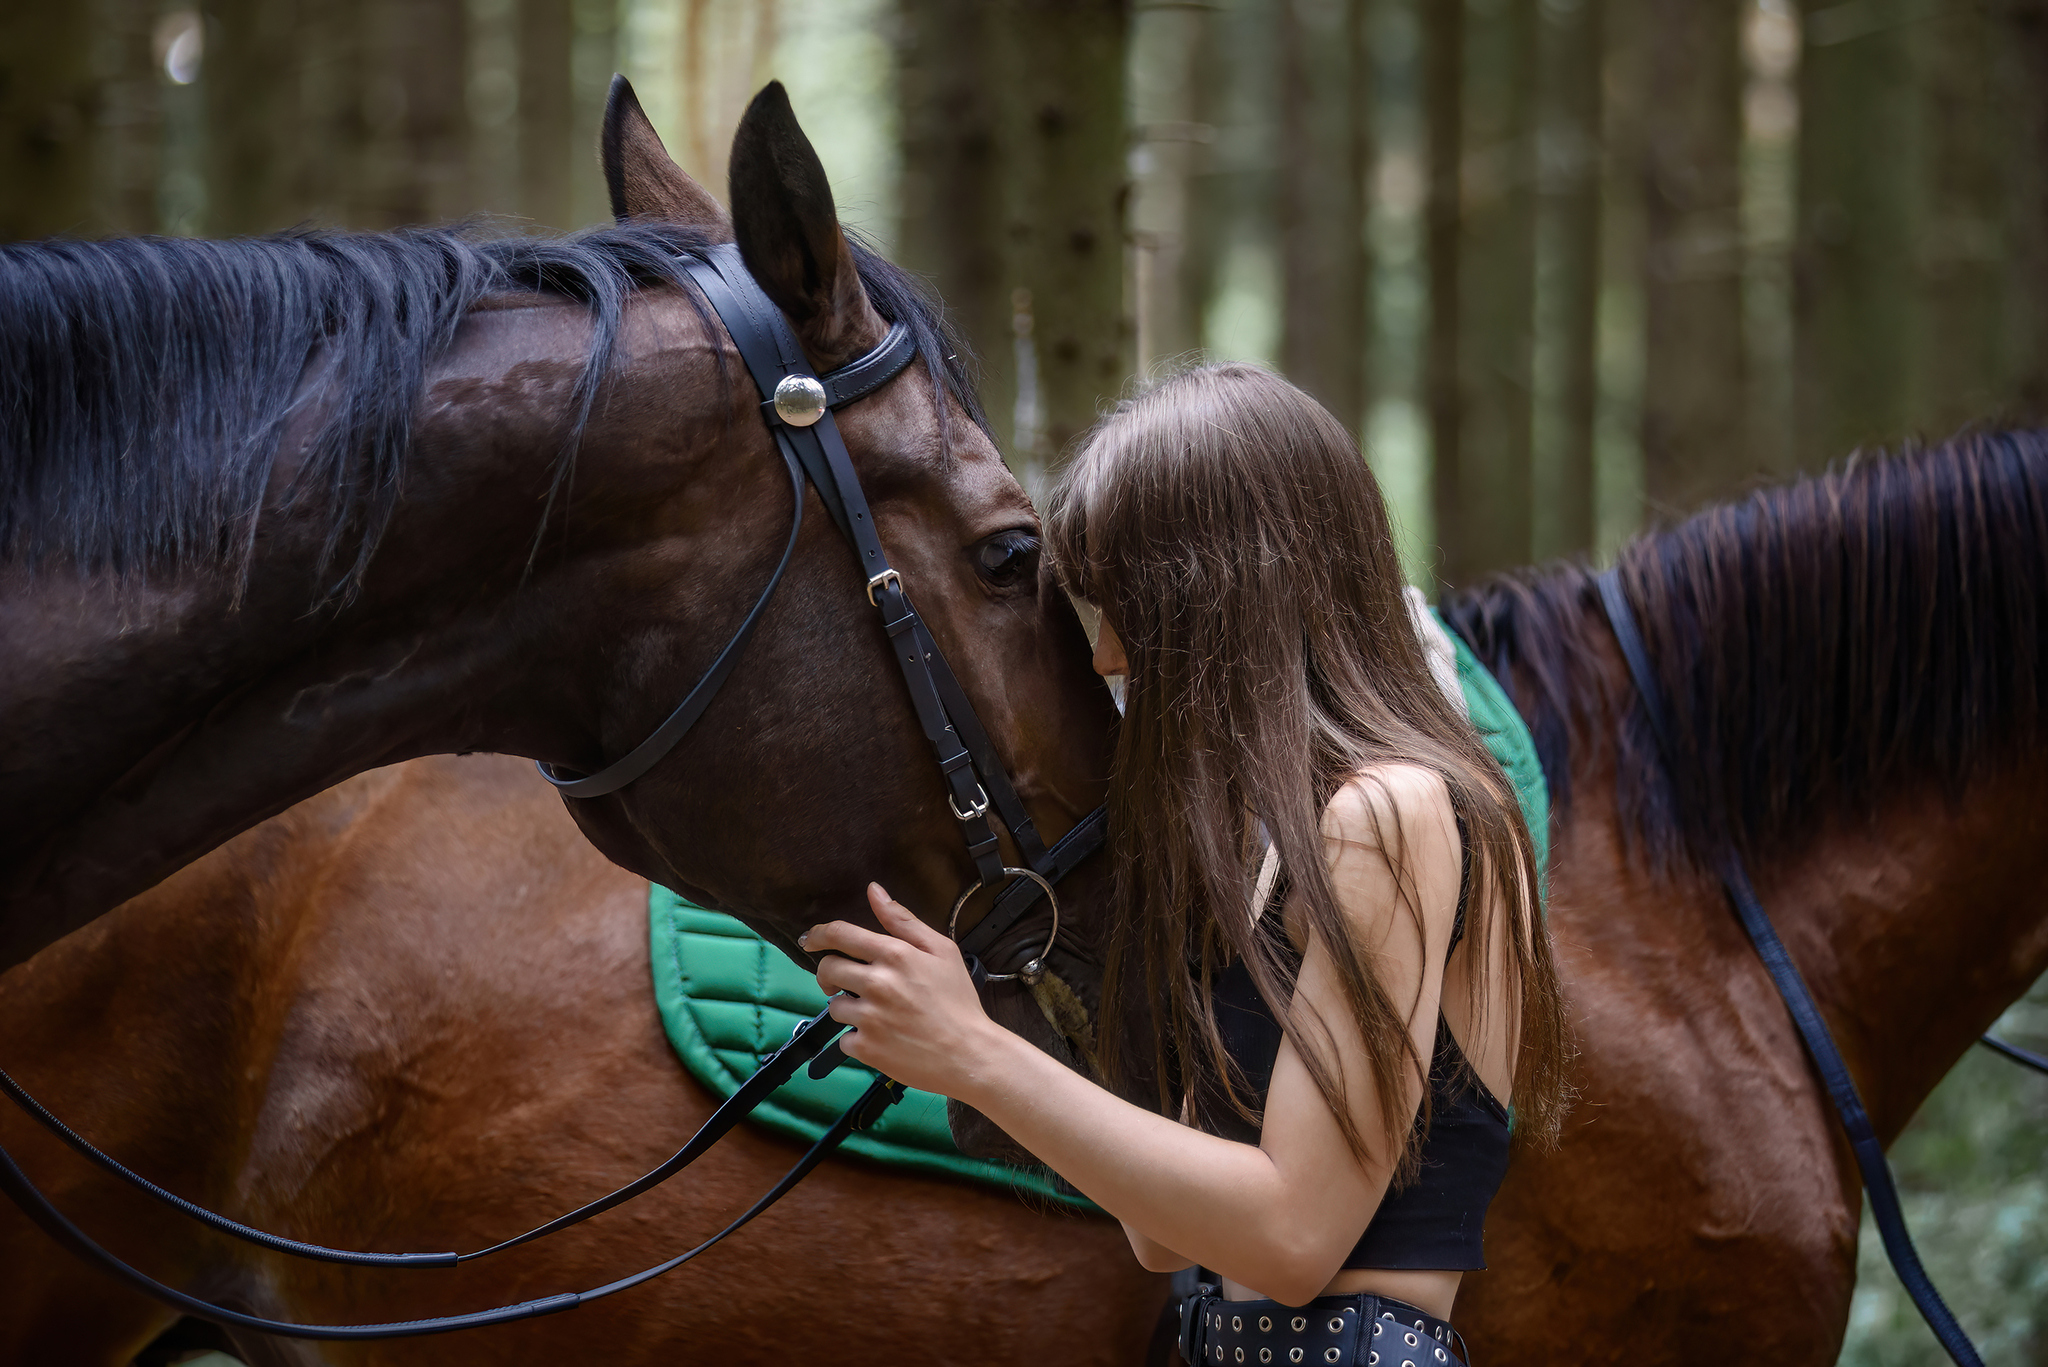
{"x": 1915, "y": 921}
{"x": 1916, "y": 926}
{"x": 152, "y": 718}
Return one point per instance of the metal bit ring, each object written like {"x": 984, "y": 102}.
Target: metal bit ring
{"x": 1034, "y": 967}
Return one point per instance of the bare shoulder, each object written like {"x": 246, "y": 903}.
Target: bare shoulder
{"x": 1389, "y": 817}
{"x": 1387, "y": 798}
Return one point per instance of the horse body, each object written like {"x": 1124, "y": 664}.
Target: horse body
{"x": 1704, "y": 1202}
{"x": 415, "y": 1012}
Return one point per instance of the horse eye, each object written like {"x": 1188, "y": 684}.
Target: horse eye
{"x": 1007, "y": 557}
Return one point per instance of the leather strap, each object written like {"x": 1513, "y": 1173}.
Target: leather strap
{"x": 2026, "y": 1057}
{"x": 1813, "y": 1029}
{"x": 777, "y": 1068}
{"x": 858, "y": 379}
{"x": 1067, "y": 852}
{"x": 655, "y": 748}
{"x": 771, "y": 353}
{"x": 881, "y": 1094}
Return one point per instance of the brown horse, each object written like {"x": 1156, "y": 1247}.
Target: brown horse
{"x": 412, "y": 1013}
{"x": 274, "y": 512}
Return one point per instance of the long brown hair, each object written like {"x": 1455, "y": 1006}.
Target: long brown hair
{"x": 1230, "y": 531}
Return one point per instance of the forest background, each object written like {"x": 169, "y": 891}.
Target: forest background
{"x": 1566, "y": 266}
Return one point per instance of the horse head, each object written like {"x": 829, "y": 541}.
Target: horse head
{"x": 281, "y": 510}
{"x": 810, "y": 776}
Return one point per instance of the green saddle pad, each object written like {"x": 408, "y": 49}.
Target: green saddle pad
{"x": 727, "y": 997}
{"x": 1508, "y": 740}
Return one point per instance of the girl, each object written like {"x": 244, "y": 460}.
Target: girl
{"x": 1325, "y": 918}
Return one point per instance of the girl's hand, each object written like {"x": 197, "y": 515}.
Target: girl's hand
{"x": 915, "y": 1013}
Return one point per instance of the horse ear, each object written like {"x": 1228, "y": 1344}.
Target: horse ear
{"x": 644, "y": 181}
{"x": 789, "y": 235}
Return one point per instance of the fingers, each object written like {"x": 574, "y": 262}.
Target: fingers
{"x": 899, "y": 924}
{"x": 899, "y": 921}
{"x": 843, "y": 937}
{"x": 837, "y": 973}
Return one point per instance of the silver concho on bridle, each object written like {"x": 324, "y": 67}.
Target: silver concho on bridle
{"x": 1034, "y": 968}
{"x": 799, "y": 400}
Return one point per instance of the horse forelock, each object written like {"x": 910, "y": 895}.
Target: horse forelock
{"x": 1822, "y": 643}
{"x": 146, "y": 381}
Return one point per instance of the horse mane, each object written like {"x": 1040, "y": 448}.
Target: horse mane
{"x": 145, "y": 381}
{"x": 1820, "y": 643}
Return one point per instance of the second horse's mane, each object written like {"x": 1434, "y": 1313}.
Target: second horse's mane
{"x": 1821, "y": 642}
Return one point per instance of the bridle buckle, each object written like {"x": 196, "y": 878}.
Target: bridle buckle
{"x": 886, "y": 577}
{"x": 976, "y": 807}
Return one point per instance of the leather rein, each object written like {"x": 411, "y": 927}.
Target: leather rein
{"x": 798, "y": 406}
{"x": 1813, "y": 1029}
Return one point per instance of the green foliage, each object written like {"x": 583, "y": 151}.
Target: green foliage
{"x": 1973, "y": 1175}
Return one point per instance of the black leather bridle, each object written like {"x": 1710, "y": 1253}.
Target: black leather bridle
{"x": 798, "y": 406}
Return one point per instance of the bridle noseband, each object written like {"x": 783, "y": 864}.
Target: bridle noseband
{"x": 798, "y": 406}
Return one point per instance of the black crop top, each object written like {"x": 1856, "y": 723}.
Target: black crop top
{"x": 1437, "y": 1221}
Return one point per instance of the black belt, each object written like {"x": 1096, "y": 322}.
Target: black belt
{"x": 1330, "y": 1331}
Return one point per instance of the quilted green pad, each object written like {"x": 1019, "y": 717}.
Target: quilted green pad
{"x": 727, "y": 997}
{"x": 1507, "y": 738}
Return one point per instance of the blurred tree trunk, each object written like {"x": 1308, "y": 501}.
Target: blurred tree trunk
{"x": 1853, "y": 263}
{"x": 1325, "y": 103}
{"x": 1013, "y": 199}
{"x": 48, "y": 109}
{"x": 1693, "y": 410}
{"x": 1957, "y": 356}
{"x": 1171, "y": 51}
{"x": 592, "y": 60}
{"x": 330, "y": 161}
{"x": 418, "y": 125}
{"x": 954, "y": 165}
{"x": 254, "y": 145}
{"x": 2021, "y": 50}
{"x": 1484, "y": 517}
{"x": 1068, "y": 192}
{"x": 1572, "y": 39}
{"x": 547, "y": 33}
{"x": 130, "y": 124}
{"x": 1443, "y": 104}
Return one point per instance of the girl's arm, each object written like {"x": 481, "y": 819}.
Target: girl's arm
{"x": 1278, "y": 1216}
{"x": 1154, "y": 1256}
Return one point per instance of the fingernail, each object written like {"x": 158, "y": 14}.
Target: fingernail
{"x": 803, "y": 941}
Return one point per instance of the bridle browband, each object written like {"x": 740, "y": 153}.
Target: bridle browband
{"x": 798, "y": 405}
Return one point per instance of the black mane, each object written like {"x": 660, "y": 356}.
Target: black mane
{"x": 1821, "y": 643}
{"x": 144, "y": 381}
